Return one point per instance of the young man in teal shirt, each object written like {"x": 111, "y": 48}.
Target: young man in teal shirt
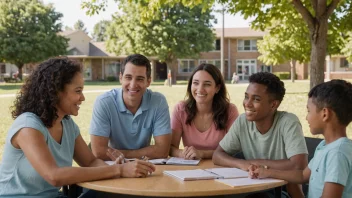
{"x": 329, "y": 173}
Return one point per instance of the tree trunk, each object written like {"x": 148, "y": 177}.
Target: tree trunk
{"x": 318, "y": 52}
{"x": 20, "y": 70}
{"x": 293, "y": 70}
{"x": 172, "y": 65}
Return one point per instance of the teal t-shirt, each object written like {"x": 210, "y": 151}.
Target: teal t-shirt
{"x": 18, "y": 178}
{"x": 283, "y": 140}
{"x": 331, "y": 163}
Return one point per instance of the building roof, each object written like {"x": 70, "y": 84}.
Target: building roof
{"x": 99, "y": 49}
{"x": 68, "y": 32}
{"x": 239, "y": 32}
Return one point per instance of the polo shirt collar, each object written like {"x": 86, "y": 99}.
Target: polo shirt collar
{"x": 145, "y": 101}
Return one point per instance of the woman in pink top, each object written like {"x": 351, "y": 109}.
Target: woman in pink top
{"x": 204, "y": 118}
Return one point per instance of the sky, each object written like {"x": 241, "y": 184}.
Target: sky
{"x": 72, "y": 12}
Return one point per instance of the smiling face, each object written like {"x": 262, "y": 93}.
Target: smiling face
{"x": 314, "y": 118}
{"x": 203, "y": 87}
{"x": 134, "y": 82}
{"x": 71, "y": 97}
{"x": 258, "y": 104}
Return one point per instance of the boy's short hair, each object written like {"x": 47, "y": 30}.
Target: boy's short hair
{"x": 335, "y": 95}
{"x": 275, "y": 87}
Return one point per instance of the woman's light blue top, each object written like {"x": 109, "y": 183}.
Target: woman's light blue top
{"x": 18, "y": 178}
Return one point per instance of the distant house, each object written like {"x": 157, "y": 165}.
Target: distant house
{"x": 338, "y": 67}
{"x": 241, "y": 56}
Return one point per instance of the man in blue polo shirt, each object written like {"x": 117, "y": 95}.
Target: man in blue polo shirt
{"x": 126, "y": 118}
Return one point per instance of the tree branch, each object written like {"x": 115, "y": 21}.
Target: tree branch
{"x": 314, "y": 5}
{"x": 321, "y": 8}
{"x": 330, "y": 9}
{"x": 306, "y": 15}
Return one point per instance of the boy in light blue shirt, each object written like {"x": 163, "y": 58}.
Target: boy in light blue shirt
{"x": 329, "y": 173}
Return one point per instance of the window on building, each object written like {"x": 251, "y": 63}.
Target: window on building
{"x": 185, "y": 66}
{"x": 245, "y": 68}
{"x": 247, "y": 45}
{"x": 266, "y": 68}
{"x": 216, "y": 62}
{"x": 344, "y": 63}
{"x": 218, "y": 45}
{"x": 2, "y": 68}
{"x": 112, "y": 68}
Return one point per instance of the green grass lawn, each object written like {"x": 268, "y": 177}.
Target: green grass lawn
{"x": 294, "y": 101}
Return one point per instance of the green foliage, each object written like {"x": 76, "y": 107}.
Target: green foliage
{"x": 174, "y": 32}
{"x": 79, "y": 25}
{"x": 29, "y": 32}
{"x": 283, "y": 75}
{"x": 111, "y": 78}
{"x": 99, "y": 31}
{"x": 347, "y": 49}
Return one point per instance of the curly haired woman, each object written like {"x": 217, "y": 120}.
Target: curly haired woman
{"x": 43, "y": 140}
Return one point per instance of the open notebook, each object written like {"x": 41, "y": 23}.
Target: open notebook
{"x": 175, "y": 161}
{"x": 213, "y": 173}
{"x": 170, "y": 161}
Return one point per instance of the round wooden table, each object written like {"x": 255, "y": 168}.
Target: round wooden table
{"x": 160, "y": 185}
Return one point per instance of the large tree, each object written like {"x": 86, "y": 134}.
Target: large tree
{"x": 99, "y": 30}
{"x": 319, "y": 16}
{"x": 29, "y": 32}
{"x": 175, "y": 32}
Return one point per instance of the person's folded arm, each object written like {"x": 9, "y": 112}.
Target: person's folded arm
{"x": 159, "y": 150}
{"x": 175, "y": 150}
{"x": 221, "y": 158}
{"x": 332, "y": 190}
{"x": 298, "y": 162}
{"x": 99, "y": 146}
{"x": 84, "y": 156}
{"x": 33, "y": 144}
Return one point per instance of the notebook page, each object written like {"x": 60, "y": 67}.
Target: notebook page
{"x": 189, "y": 175}
{"x": 228, "y": 173}
{"x": 181, "y": 161}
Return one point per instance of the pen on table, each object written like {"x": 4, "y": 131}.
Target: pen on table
{"x": 145, "y": 158}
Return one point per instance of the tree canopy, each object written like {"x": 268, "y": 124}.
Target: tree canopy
{"x": 99, "y": 30}
{"x": 324, "y": 20}
{"x": 175, "y": 32}
{"x": 29, "y": 32}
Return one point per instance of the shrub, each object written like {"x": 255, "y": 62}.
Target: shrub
{"x": 111, "y": 78}
{"x": 283, "y": 75}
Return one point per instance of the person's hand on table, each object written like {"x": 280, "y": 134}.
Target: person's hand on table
{"x": 115, "y": 155}
{"x": 189, "y": 152}
{"x": 258, "y": 171}
{"x": 137, "y": 168}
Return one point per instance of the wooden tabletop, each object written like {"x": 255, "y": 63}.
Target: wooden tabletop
{"x": 161, "y": 185}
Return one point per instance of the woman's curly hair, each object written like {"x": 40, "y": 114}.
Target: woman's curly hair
{"x": 39, "y": 94}
{"x": 221, "y": 101}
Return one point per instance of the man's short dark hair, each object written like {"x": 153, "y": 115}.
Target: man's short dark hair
{"x": 138, "y": 60}
{"x": 275, "y": 87}
{"x": 335, "y": 95}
